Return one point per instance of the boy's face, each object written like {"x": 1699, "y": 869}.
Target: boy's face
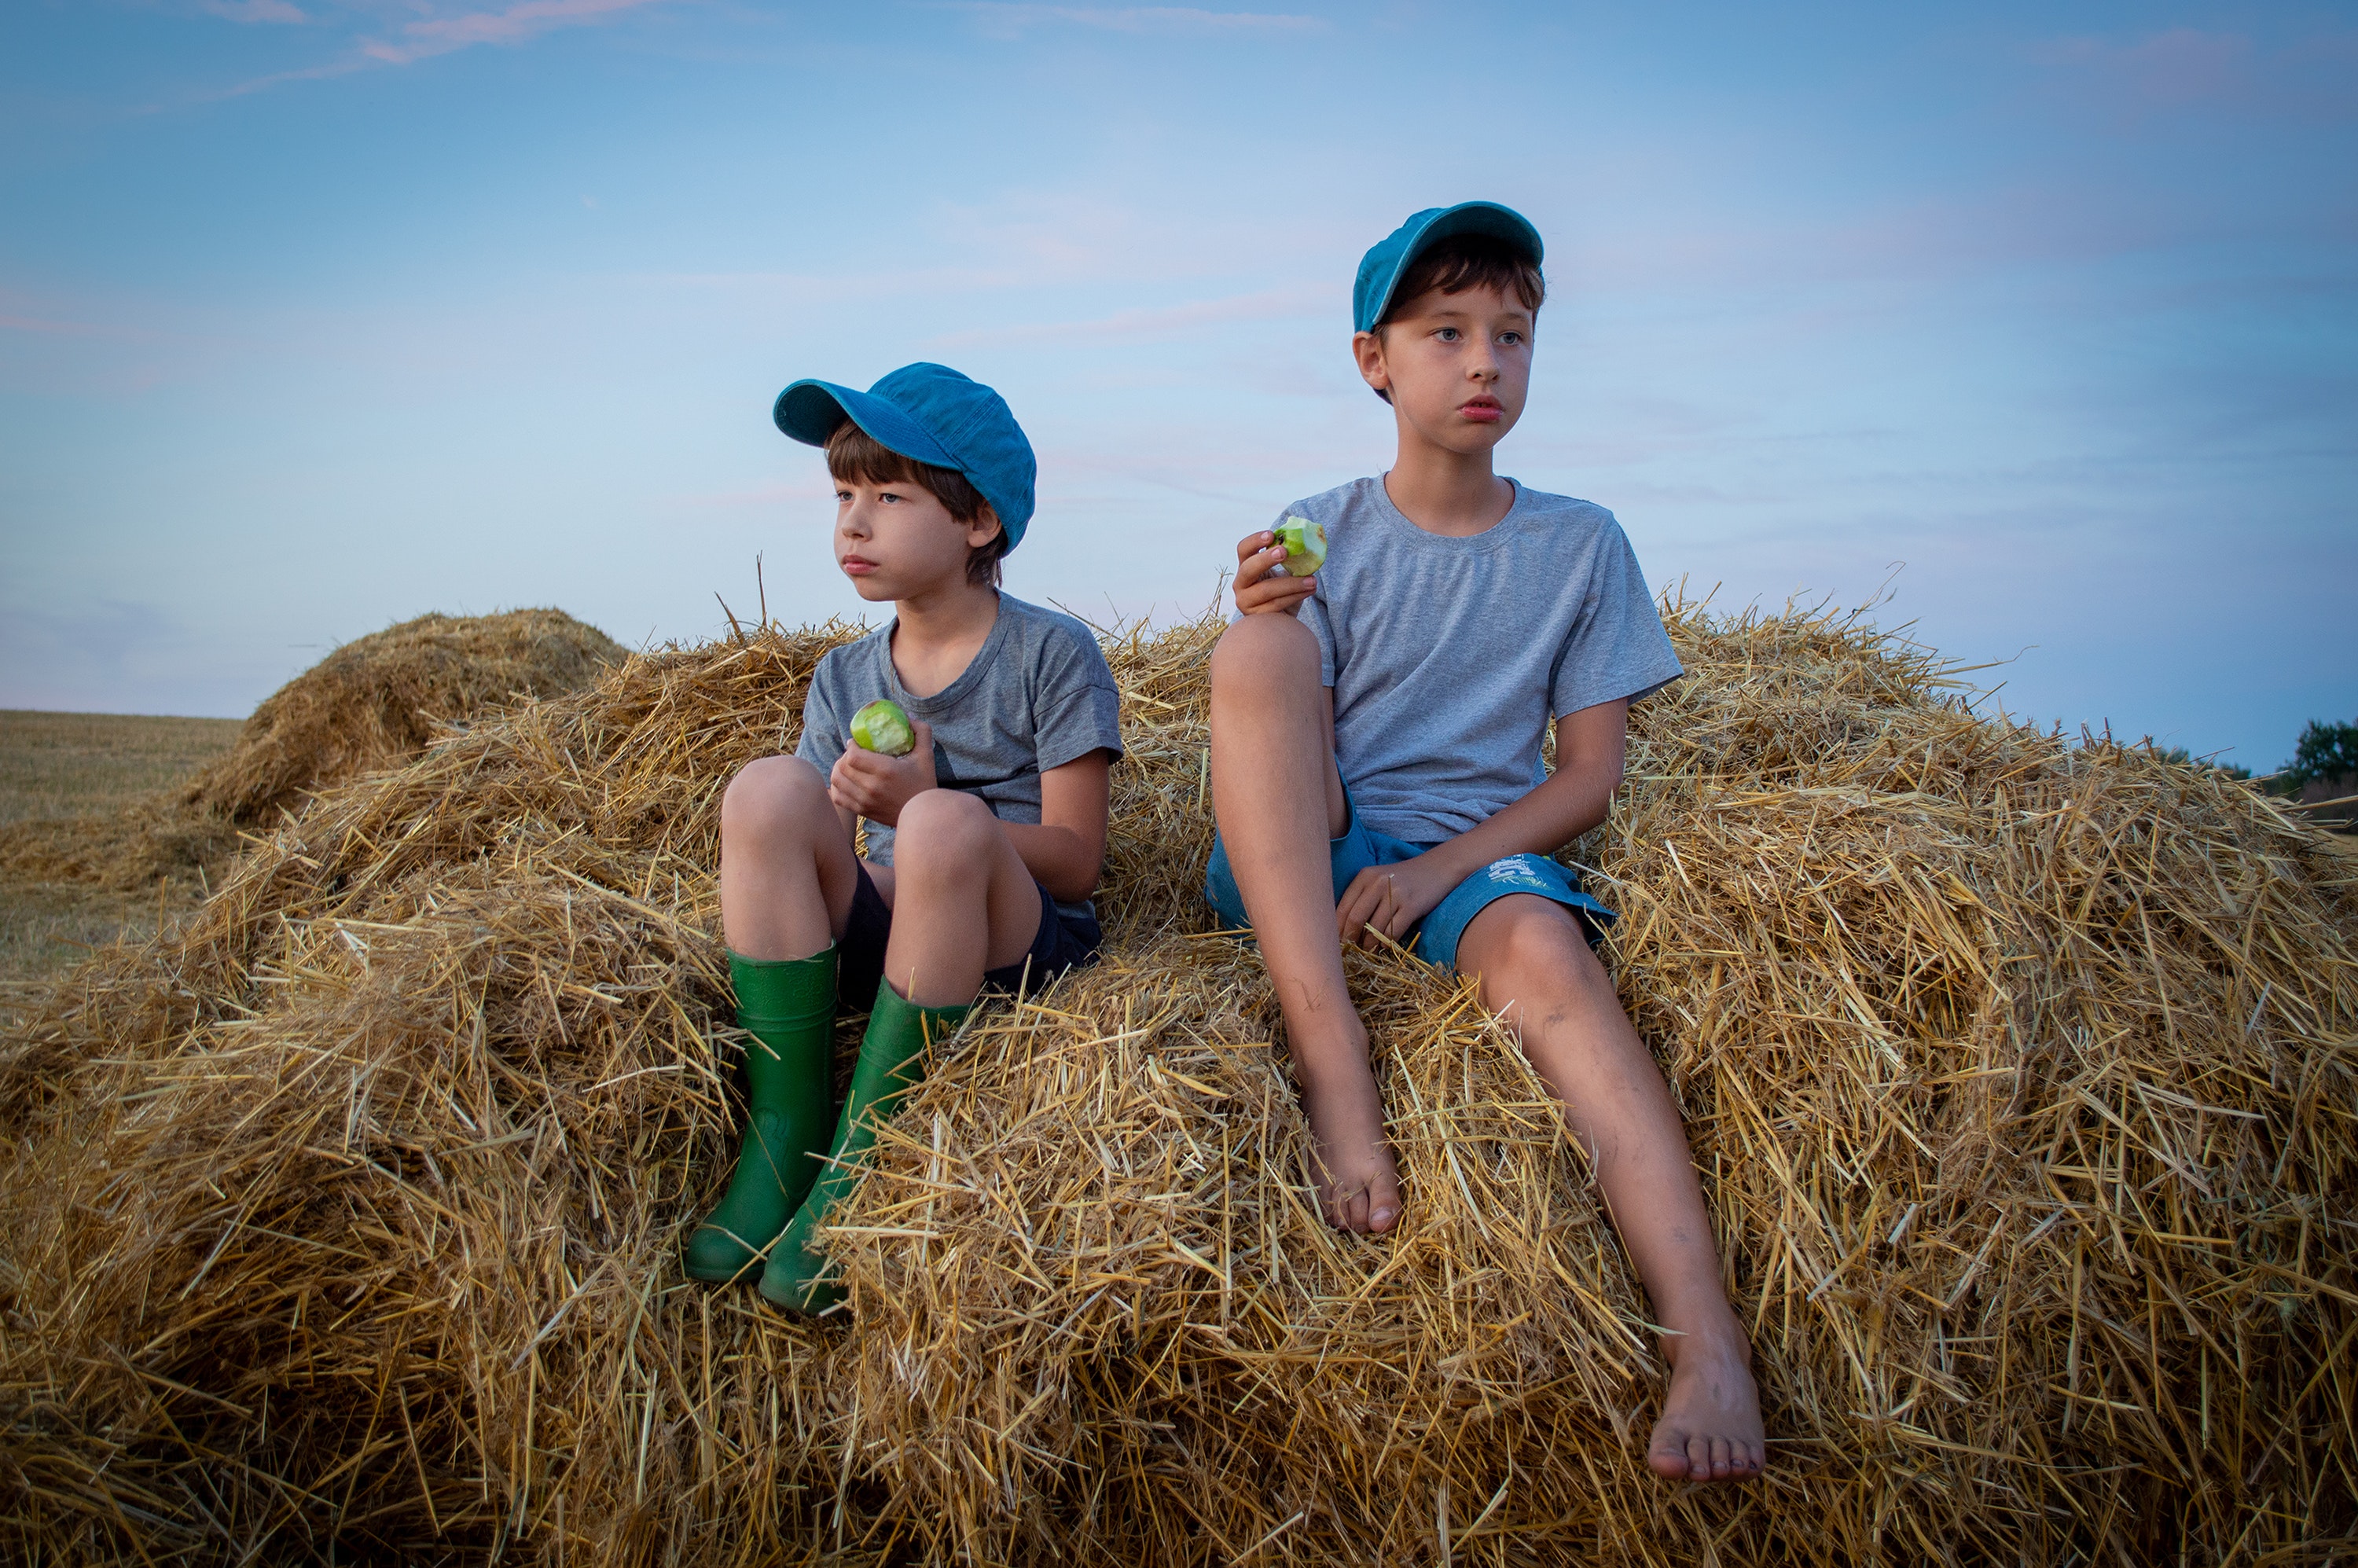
{"x": 897, "y": 540}
{"x": 1458, "y": 366}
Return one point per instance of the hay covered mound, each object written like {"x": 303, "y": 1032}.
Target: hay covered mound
{"x": 376, "y": 701}
{"x": 346, "y": 1220}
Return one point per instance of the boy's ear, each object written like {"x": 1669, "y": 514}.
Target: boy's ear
{"x": 1367, "y": 348}
{"x": 985, "y": 527}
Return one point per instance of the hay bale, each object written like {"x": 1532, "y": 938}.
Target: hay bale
{"x": 376, "y": 701}
{"x": 347, "y": 1216}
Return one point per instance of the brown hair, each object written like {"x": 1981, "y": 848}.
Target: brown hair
{"x": 1462, "y": 261}
{"x": 853, "y": 454}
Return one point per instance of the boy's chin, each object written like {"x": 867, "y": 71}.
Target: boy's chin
{"x": 1458, "y": 434}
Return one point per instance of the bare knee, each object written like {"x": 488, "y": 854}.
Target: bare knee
{"x": 1259, "y": 650}
{"x": 943, "y": 835}
{"x": 774, "y": 800}
{"x": 1527, "y": 948}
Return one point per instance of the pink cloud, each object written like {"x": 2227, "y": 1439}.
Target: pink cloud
{"x": 425, "y": 36}
{"x": 1153, "y": 324}
{"x": 2167, "y": 71}
{"x": 1008, "y": 21}
{"x": 256, "y": 11}
{"x": 441, "y": 34}
{"x": 2184, "y": 71}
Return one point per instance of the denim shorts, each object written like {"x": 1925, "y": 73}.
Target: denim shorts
{"x": 1065, "y": 940}
{"x": 1435, "y": 938}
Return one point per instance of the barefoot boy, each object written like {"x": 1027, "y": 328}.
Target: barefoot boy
{"x": 1376, "y": 732}
{"x": 985, "y": 839}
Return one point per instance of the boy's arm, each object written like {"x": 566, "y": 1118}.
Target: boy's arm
{"x": 1064, "y": 852}
{"x": 1589, "y": 749}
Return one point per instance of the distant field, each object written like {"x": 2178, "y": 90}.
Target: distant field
{"x": 57, "y": 766}
{"x": 84, "y": 765}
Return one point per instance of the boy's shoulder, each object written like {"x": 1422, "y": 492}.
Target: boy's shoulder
{"x": 860, "y": 654}
{"x": 1037, "y": 635}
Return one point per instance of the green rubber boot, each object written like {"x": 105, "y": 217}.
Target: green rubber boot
{"x": 789, "y": 1008}
{"x": 892, "y": 1063}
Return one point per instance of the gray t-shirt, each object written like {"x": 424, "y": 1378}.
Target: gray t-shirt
{"x": 1448, "y": 656}
{"x": 1037, "y": 695}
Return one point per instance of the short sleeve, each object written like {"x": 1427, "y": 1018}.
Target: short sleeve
{"x": 1313, "y": 612}
{"x": 824, "y": 730}
{"x": 1075, "y": 707}
{"x": 1618, "y": 650}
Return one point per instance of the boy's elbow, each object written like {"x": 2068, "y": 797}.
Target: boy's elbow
{"x": 1077, "y": 880}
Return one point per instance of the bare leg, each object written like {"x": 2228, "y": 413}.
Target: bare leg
{"x": 962, "y": 901}
{"x": 787, "y": 872}
{"x": 1537, "y": 973}
{"x": 1279, "y": 800}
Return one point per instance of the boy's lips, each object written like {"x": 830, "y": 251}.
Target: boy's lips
{"x": 1482, "y": 409}
{"x": 857, "y": 566}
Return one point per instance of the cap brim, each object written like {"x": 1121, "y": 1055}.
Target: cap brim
{"x": 810, "y": 412}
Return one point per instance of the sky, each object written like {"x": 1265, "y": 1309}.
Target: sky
{"x": 2035, "y": 325}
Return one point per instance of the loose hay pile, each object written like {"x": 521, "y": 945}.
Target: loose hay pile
{"x": 376, "y": 701}
{"x": 2022, "y": 1076}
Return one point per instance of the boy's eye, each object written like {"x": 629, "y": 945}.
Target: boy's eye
{"x": 1447, "y": 334}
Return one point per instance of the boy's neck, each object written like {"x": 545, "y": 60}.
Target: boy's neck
{"x": 938, "y": 631}
{"x": 1445, "y": 491}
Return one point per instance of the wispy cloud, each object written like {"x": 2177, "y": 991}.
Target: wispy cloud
{"x": 432, "y": 35}
{"x": 1007, "y": 21}
{"x": 2185, "y": 68}
{"x": 427, "y": 29}
{"x": 2181, "y": 66}
{"x": 1156, "y": 324}
{"x": 256, "y": 11}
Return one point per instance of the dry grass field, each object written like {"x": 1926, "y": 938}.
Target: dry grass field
{"x": 78, "y": 767}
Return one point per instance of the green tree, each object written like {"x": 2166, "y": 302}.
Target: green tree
{"x": 2324, "y": 751}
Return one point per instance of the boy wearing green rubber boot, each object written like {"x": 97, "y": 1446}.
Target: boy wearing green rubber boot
{"x": 986, "y": 835}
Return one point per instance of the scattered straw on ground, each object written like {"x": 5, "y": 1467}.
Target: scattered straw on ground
{"x": 346, "y": 1219}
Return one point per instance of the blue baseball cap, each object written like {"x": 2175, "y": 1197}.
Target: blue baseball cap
{"x": 935, "y": 415}
{"x": 1380, "y": 268}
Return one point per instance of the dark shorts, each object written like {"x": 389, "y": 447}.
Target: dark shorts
{"x": 1064, "y": 941}
{"x": 1434, "y": 937}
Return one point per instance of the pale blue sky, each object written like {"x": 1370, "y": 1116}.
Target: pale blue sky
{"x": 318, "y": 314}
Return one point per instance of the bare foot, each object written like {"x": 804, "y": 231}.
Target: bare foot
{"x": 1358, "y": 1186}
{"x": 1710, "y": 1429}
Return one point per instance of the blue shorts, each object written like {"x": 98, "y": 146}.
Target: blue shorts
{"x": 1062, "y": 942}
{"x": 1435, "y": 938}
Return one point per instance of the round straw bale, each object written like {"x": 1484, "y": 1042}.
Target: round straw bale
{"x": 346, "y": 1218}
{"x": 377, "y": 700}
